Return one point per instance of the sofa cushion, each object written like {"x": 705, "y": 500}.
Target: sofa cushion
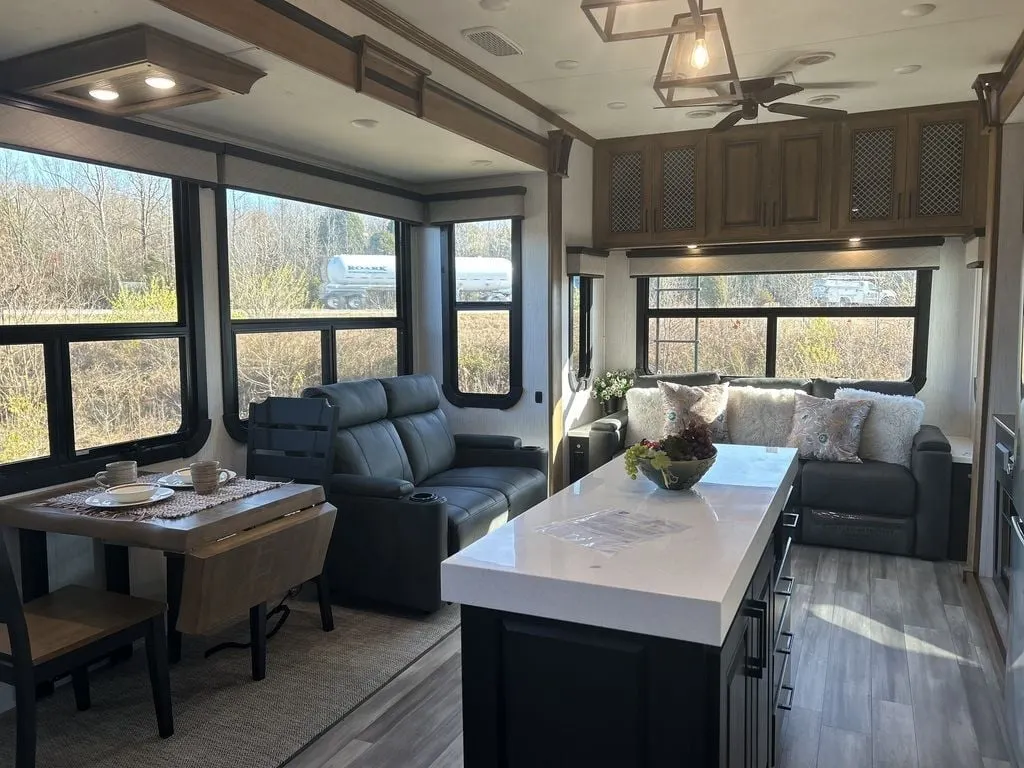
{"x": 828, "y": 430}
{"x": 522, "y": 487}
{"x": 828, "y": 387}
{"x": 682, "y": 405}
{"x": 417, "y": 393}
{"x": 428, "y": 441}
{"x": 358, "y": 402}
{"x": 759, "y": 416}
{"x": 889, "y": 431}
{"x": 764, "y": 382}
{"x": 472, "y": 512}
{"x": 689, "y": 379}
{"x": 646, "y": 415}
{"x": 371, "y": 449}
{"x": 872, "y": 488}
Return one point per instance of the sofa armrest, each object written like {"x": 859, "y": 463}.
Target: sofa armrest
{"x": 364, "y": 485}
{"x": 604, "y": 438}
{"x": 501, "y": 442}
{"x": 931, "y": 463}
{"x": 516, "y": 455}
{"x": 615, "y": 422}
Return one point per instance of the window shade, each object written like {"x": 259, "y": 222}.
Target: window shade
{"x": 585, "y": 262}
{"x": 477, "y": 205}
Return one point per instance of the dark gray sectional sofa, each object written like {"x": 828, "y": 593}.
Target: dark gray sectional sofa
{"x": 874, "y": 506}
{"x": 409, "y": 492}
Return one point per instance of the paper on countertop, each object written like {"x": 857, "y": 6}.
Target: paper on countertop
{"x": 609, "y": 531}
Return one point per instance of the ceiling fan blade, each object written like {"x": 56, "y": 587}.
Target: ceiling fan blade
{"x": 839, "y": 86}
{"x": 730, "y": 120}
{"x": 777, "y": 91}
{"x": 802, "y": 110}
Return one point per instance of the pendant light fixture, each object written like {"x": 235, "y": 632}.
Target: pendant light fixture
{"x": 616, "y": 20}
{"x": 697, "y": 55}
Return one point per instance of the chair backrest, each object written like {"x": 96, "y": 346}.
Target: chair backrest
{"x": 12, "y": 614}
{"x": 292, "y": 438}
{"x": 414, "y": 407}
{"x": 223, "y": 580}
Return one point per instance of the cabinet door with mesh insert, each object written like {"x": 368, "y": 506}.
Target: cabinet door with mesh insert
{"x": 872, "y": 174}
{"x": 943, "y": 167}
{"x": 622, "y": 193}
{"x": 680, "y": 163}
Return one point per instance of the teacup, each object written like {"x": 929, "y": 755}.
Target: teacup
{"x": 206, "y": 476}
{"x": 186, "y": 475}
{"x": 118, "y": 473}
{"x": 131, "y": 492}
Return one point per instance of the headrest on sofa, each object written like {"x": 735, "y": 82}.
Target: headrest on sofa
{"x": 764, "y": 382}
{"x": 828, "y": 387}
{"x": 358, "y": 402}
{"x": 411, "y": 394}
{"x": 689, "y": 379}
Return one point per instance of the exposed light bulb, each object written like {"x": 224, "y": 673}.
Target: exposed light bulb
{"x": 104, "y": 94}
{"x": 160, "y": 82}
{"x": 699, "y": 57}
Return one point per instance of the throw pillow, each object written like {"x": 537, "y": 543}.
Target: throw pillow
{"x": 758, "y": 416}
{"x": 828, "y": 430}
{"x": 890, "y": 427}
{"x": 684, "y": 404}
{"x": 646, "y": 416}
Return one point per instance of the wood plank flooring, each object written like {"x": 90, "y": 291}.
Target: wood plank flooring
{"x": 892, "y": 670}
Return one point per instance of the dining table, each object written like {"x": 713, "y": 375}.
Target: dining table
{"x": 34, "y": 517}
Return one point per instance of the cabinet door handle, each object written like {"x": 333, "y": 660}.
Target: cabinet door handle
{"x": 910, "y": 204}
{"x": 654, "y": 223}
{"x": 775, "y": 214}
{"x": 647, "y": 215}
{"x": 899, "y": 205}
{"x": 758, "y": 610}
{"x": 764, "y": 213}
{"x": 790, "y": 519}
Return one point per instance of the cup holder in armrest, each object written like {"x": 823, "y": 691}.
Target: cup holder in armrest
{"x": 529, "y": 448}
{"x": 427, "y": 498}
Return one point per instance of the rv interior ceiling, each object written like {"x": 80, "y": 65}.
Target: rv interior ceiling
{"x": 591, "y": 383}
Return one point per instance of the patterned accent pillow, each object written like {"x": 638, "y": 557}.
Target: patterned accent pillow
{"x": 685, "y": 404}
{"x": 828, "y": 430}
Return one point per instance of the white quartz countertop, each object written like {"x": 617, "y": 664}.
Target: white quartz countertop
{"x": 686, "y": 585}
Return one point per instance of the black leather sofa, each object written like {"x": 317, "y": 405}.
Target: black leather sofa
{"x": 409, "y": 493}
{"x": 873, "y": 506}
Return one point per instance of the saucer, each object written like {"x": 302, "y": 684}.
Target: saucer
{"x": 104, "y": 501}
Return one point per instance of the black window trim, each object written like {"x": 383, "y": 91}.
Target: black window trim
{"x": 450, "y": 307}
{"x": 579, "y": 376}
{"x": 327, "y": 326}
{"x": 66, "y": 464}
{"x": 920, "y": 312}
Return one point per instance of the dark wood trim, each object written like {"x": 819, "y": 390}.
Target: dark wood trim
{"x": 986, "y": 323}
{"x": 474, "y": 194}
{"x": 586, "y": 250}
{"x": 433, "y": 46}
{"x": 556, "y": 271}
{"x": 1011, "y": 91}
{"x": 803, "y": 246}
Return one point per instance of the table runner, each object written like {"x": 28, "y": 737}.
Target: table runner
{"x": 182, "y": 504}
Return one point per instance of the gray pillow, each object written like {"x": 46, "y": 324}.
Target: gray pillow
{"x": 707, "y": 404}
{"x": 828, "y": 430}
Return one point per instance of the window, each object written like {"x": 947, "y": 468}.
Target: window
{"x": 581, "y": 300}
{"x": 864, "y": 325}
{"x": 98, "y": 353}
{"x": 482, "y": 318}
{"x": 316, "y": 295}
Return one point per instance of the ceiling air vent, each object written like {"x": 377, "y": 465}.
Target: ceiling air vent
{"x": 492, "y": 40}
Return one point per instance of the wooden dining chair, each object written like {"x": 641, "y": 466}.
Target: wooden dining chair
{"x": 292, "y": 438}
{"x": 64, "y": 632}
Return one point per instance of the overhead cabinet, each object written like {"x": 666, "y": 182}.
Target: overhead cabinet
{"x": 897, "y": 173}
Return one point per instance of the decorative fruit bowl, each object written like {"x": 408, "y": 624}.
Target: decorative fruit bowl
{"x": 676, "y": 462}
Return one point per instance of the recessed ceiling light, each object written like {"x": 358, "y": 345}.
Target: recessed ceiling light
{"x": 810, "y": 59}
{"x": 617, "y": 105}
{"x": 693, "y": 247}
{"x": 567, "y": 64}
{"x": 160, "y": 82}
{"x": 825, "y": 98}
{"x": 482, "y": 163}
{"x": 494, "y": 5}
{"x": 907, "y": 69}
{"x": 104, "y": 94}
{"x": 697, "y": 114}
{"x": 920, "y": 9}
{"x": 854, "y": 240}
{"x": 365, "y": 122}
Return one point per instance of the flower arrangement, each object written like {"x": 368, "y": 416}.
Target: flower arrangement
{"x": 660, "y": 460}
{"x": 612, "y": 385}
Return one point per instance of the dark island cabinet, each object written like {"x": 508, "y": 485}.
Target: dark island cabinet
{"x": 542, "y": 693}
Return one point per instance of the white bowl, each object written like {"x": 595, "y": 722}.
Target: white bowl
{"x": 131, "y": 492}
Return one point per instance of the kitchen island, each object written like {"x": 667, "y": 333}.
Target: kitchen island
{"x": 616, "y": 624}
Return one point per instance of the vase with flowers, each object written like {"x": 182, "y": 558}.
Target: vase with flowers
{"x": 610, "y": 387}
{"x": 676, "y": 462}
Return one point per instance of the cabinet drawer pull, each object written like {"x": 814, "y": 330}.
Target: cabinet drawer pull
{"x": 756, "y": 665}
{"x": 784, "y": 590}
{"x": 785, "y": 643}
{"x": 785, "y": 700}
{"x": 790, "y": 519}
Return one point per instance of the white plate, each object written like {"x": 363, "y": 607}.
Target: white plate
{"x": 175, "y": 480}
{"x": 104, "y": 501}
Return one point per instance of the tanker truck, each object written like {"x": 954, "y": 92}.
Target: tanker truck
{"x": 349, "y": 280}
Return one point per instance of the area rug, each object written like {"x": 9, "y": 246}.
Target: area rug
{"x": 222, "y": 718}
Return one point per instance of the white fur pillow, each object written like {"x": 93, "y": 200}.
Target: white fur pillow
{"x": 646, "y": 415}
{"x": 891, "y": 425}
{"x": 758, "y": 416}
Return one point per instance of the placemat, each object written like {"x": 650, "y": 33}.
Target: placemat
{"x": 182, "y": 504}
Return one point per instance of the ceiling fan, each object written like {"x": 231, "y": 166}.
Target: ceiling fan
{"x": 761, "y": 92}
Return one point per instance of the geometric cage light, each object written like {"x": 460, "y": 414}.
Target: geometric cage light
{"x": 697, "y": 54}
{"x": 616, "y": 20}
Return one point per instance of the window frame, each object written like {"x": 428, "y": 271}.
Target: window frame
{"x": 450, "y": 308}
{"x": 327, "y": 326}
{"x": 579, "y": 375}
{"x": 920, "y": 313}
{"x": 65, "y": 463}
